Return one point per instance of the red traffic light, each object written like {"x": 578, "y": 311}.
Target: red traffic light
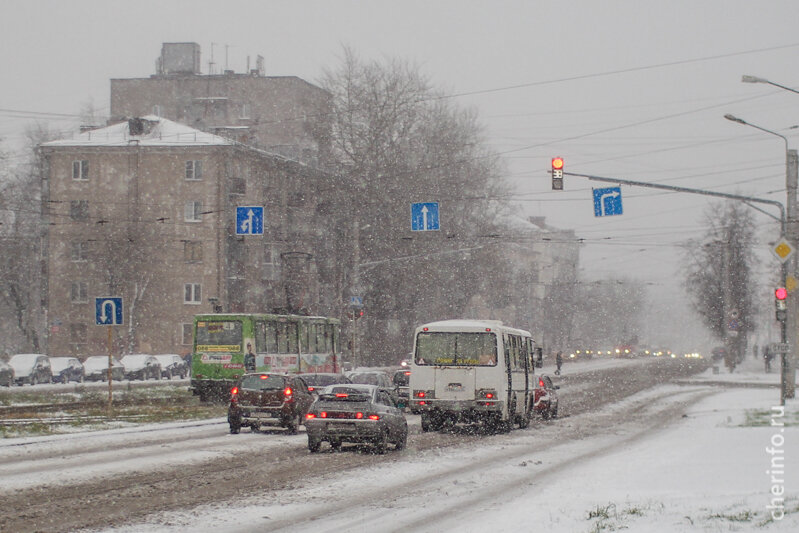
{"x": 557, "y": 163}
{"x": 781, "y": 293}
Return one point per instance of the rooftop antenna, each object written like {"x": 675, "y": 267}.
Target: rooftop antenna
{"x": 211, "y": 61}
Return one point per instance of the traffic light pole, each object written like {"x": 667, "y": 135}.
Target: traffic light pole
{"x": 786, "y": 383}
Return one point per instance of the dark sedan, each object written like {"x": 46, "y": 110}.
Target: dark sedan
{"x": 356, "y": 413}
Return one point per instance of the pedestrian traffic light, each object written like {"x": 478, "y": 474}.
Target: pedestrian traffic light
{"x": 359, "y": 313}
{"x": 557, "y": 173}
{"x": 780, "y": 301}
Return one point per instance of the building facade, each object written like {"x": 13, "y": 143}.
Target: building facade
{"x": 281, "y": 114}
{"x": 145, "y": 210}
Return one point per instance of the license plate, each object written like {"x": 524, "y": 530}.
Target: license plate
{"x": 340, "y": 426}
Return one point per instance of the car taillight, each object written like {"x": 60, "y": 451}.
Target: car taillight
{"x": 374, "y": 417}
{"x": 287, "y": 392}
{"x": 424, "y": 394}
{"x": 310, "y": 389}
{"x": 309, "y": 416}
{"x": 541, "y": 383}
{"x": 487, "y": 394}
{"x": 323, "y": 414}
{"x": 234, "y": 394}
{"x": 359, "y": 415}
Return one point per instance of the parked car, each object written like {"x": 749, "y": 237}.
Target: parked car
{"x": 319, "y": 381}
{"x": 172, "y": 365}
{"x": 545, "y": 399}
{"x": 402, "y": 381}
{"x": 95, "y": 368}
{"x": 356, "y": 413}
{"x": 31, "y": 368}
{"x": 6, "y": 374}
{"x": 66, "y": 369}
{"x": 141, "y": 366}
{"x": 263, "y": 398}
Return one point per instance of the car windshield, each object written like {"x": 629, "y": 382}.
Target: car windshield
{"x": 366, "y": 378}
{"x": 456, "y": 349}
{"x": 346, "y": 394}
{"x": 262, "y": 382}
{"x": 322, "y": 380}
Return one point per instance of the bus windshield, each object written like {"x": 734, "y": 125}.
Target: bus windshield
{"x": 456, "y": 349}
{"x": 215, "y": 336}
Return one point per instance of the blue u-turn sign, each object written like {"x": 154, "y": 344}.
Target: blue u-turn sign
{"x": 108, "y": 311}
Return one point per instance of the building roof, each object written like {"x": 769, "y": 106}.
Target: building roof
{"x": 149, "y": 130}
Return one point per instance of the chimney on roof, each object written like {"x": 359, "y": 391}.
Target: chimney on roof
{"x": 140, "y": 126}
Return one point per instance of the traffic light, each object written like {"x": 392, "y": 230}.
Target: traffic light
{"x": 359, "y": 313}
{"x": 780, "y": 300}
{"x": 557, "y": 173}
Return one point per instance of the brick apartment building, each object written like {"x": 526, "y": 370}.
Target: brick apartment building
{"x": 144, "y": 209}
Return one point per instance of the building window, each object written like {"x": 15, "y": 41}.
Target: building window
{"x": 187, "y": 334}
{"x": 194, "y": 170}
{"x": 79, "y": 210}
{"x": 244, "y": 111}
{"x": 79, "y": 292}
{"x": 80, "y": 250}
{"x": 192, "y": 293}
{"x": 80, "y": 170}
{"x": 193, "y": 251}
{"x": 78, "y": 333}
{"x": 157, "y": 110}
{"x": 193, "y": 212}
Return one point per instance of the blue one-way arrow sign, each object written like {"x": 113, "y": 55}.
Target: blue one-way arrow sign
{"x": 424, "y": 216}
{"x": 250, "y": 220}
{"x": 607, "y": 201}
{"x": 108, "y": 311}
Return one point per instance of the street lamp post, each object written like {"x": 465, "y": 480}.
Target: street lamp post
{"x": 788, "y": 327}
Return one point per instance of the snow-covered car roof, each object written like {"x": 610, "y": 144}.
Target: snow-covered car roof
{"x": 23, "y": 362}
{"x": 168, "y": 358}
{"x": 135, "y": 361}
{"x": 57, "y": 364}
{"x": 98, "y": 362}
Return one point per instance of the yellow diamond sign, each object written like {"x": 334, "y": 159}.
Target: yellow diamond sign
{"x": 790, "y": 283}
{"x": 783, "y": 250}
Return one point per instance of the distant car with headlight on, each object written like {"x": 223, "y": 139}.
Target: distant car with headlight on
{"x": 356, "y": 413}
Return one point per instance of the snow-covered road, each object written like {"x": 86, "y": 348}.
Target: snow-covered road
{"x": 197, "y": 477}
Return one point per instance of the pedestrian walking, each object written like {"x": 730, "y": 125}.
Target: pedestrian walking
{"x": 558, "y": 362}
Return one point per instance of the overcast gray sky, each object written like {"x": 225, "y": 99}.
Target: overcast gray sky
{"x": 635, "y": 89}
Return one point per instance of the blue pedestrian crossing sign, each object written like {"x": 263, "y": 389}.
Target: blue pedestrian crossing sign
{"x": 424, "y": 216}
{"x": 607, "y": 201}
{"x": 108, "y": 311}
{"x": 250, "y": 220}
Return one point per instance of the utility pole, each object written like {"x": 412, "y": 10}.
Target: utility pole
{"x": 788, "y": 361}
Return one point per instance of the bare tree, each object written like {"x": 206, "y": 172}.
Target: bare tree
{"x": 718, "y": 274}
{"x": 20, "y": 243}
{"x": 395, "y": 142}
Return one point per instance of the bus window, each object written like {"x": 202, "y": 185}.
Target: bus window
{"x": 218, "y": 336}
{"x": 456, "y": 349}
{"x": 291, "y": 335}
{"x": 310, "y": 339}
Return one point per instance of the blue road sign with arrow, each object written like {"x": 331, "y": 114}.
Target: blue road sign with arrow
{"x": 607, "y": 201}
{"x": 108, "y": 311}
{"x": 424, "y": 216}
{"x": 250, "y": 220}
